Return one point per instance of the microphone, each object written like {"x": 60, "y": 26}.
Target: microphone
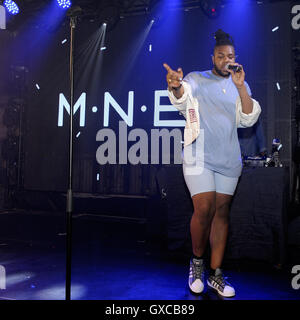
{"x": 233, "y": 67}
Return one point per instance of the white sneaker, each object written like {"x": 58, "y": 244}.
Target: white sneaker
{"x": 196, "y": 276}
{"x": 218, "y": 282}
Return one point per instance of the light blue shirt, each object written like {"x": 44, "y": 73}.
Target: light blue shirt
{"x": 217, "y": 109}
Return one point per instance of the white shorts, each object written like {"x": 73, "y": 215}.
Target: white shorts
{"x": 209, "y": 180}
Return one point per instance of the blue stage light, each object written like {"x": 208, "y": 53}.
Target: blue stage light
{"x": 65, "y": 4}
{"x": 11, "y": 6}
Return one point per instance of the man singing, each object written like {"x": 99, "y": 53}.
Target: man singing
{"x": 215, "y": 103}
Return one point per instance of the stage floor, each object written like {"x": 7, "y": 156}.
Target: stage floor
{"x": 113, "y": 260}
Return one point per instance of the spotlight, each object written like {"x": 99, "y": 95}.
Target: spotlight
{"x": 211, "y": 7}
{"x": 65, "y": 4}
{"x": 109, "y": 16}
{"x": 11, "y": 7}
{"x": 159, "y": 12}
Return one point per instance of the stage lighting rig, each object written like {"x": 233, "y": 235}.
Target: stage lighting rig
{"x": 64, "y": 4}
{"x": 11, "y": 7}
{"x": 109, "y": 15}
{"x": 211, "y": 8}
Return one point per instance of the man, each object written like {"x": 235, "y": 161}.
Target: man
{"x": 214, "y": 103}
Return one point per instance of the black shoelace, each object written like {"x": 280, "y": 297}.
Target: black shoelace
{"x": 221, "y": 280}
{"x": 198, "y": 270}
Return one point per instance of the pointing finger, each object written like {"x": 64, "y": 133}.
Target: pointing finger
{"x": 179, "y": 70}
{"x": 167, "y": 67}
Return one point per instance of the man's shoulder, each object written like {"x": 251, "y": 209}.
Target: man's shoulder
{"x": 198, "y": 75}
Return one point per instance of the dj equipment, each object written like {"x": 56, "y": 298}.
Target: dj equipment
{"x": 272, "y": 160}
{"x": 255, "y": 161}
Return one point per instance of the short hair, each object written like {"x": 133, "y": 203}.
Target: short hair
{"x": 223, "y": 39}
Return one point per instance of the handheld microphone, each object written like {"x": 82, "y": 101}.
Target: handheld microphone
{"x": 233, "y": 67}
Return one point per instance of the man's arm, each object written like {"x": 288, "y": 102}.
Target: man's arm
{"x": 178, "y": 93}
{"x": 247, "y": 102}
{"x": 174, "y": 80}
{"x": 238, "y": 79}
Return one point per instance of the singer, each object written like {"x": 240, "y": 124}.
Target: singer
{"x": 214, "y": 103}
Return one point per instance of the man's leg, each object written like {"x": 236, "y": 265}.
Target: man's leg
{"x": 218, "y": 239}
{"x": 219, "y": 229}
{"x": 204, "y": 209}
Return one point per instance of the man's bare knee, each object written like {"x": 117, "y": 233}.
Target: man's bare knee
{"x": 204, "y": 206}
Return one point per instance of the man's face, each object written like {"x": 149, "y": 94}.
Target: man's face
{"x": 222, "y": 56}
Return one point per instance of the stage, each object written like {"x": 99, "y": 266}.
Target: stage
{"x": 91, "y": 148}
{"x": 114, "y": 259}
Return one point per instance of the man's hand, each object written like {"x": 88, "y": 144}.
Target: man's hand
{"x": 174, "y": 78}
{"x": 238, "y": 78}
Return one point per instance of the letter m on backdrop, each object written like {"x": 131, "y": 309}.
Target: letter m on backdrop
{"x": 64, "y": 104}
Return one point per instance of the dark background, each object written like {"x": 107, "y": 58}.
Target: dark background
{"x": 182, "y": 37}
{"x": 132, "y": 204}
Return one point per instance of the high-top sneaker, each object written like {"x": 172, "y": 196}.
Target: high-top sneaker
{"x": 196, "y": 277}
{"x": 219, "y": 283}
